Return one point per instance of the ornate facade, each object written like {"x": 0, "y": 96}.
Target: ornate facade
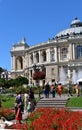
{"x": 61, "y": 56}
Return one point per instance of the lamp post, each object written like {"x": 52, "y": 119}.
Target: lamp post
{"x": 38, "y": 75}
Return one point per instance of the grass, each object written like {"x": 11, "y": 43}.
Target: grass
{"x": 74, "y": 102}
{"x": 8, "y": 101}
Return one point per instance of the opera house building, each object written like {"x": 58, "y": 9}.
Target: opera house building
{"x": 61, "y": 56}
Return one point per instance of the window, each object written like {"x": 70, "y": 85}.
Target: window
{"x": 64, "y": 51}
{"x": 78, "y": 51}
{"x": 44, "y": 56}
{"x": 19, "y": 63}
{"x": 52, "y": 55}
{"x": 37, "y": 57}
{"x": 31, "y": 73}
{"x": 52, "y": 58}
{"x": 31, "y": 58}
{"x": 64, "y": 56}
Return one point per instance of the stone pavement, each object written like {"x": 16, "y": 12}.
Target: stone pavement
{"x": 57, "y": 97}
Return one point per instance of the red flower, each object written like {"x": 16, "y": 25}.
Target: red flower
{"x": 38, "y": 75}
{"x": 56, "y": 119}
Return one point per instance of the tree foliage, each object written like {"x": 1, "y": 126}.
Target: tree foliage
{"x": 1, "y": 70}
{"x": 18, "y": 81}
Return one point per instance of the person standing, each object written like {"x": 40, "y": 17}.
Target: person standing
{"x": 32, "y": 100}
{"x": 26, "y": 97}
{"x": 77, "y": 89}
{"x": 69, "y": 90}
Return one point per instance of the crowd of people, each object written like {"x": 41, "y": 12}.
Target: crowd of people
{"x": 58, "y": 88}
{"x": 53, "y": 88}
{"x": 24, "y": 103}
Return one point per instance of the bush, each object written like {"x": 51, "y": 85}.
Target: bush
{"x": 9, "y": 114}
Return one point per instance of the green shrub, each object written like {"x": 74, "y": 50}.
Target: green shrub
{"x": 10, "y": 116}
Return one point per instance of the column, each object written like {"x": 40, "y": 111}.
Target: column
{"x": 13, "y": 63}
{"x": 48, "y": 55}
{"x": 55, "y": 49}
{"x": 39, "y": 56}
{"x": 73, "y": 51}
{"x": 34, "y": 58}
{"x": 59, "y": 54}
{"x": 70, "y": 54}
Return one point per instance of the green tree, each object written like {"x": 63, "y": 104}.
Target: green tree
{"x": 2, "y": 82}
{"x": 21, "y": 80}
{"x": 1, "y": 70}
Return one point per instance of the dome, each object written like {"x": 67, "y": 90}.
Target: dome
{"x": 75, "y": 21}
{"x": 75, "y": 29}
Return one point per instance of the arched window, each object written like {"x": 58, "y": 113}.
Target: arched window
{"x": 44, "y": 56}
{"x": 64, "y": 51}
{"x": 19, "y": 63}
{"x": 37, "y": 57}
{"x": 31, "y": 58}
{"x": 52, "y": 55}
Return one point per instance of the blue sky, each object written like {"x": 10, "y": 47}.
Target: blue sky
{"x": 36, "y": 20}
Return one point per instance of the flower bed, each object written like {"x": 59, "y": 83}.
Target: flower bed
{"x": 51, "y": 119}
{"x": 55, "y": 119}
{"x": 9, "y": 114}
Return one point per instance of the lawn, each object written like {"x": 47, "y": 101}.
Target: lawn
{"x": 8, "y": 101}
{"x": 74, "y": 102}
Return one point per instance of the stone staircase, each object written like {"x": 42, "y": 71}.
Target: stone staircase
{"x": 52, "y": 102}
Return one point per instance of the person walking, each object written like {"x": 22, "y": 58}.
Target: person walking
{"x": 59, "y": 89}
{"x": 53, "y": 89}
{"x": 47, "y": 90}
{"x": 69, "y": 90}
{"x": 19, "y": 114}
{"x": 19, "y": 108}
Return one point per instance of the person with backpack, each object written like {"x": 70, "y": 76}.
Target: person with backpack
{"x": 19, "y": 106}
{"x": 53, "y": 89}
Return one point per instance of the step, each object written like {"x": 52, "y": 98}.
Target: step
{"x": 47, "y": 106}
{"x": 51, "y": 102}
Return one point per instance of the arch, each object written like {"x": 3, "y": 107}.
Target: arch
{"x": 44, "y": 55}
{"x": 19, "y": 63}
{"x": 64, "y": 51}
{"x": 31, "y": 58}
{"x": 37, "y": 57}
